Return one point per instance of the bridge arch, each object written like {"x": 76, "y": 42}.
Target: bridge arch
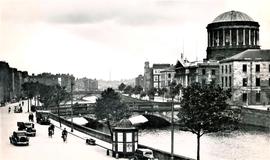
{"x": 155, "y": 121}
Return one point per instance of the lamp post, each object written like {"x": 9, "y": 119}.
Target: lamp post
{"x": 172, "y": 131}
{"x": 72, "y": 84}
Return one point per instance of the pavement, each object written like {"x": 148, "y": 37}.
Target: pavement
{"x": 42, "y": 147}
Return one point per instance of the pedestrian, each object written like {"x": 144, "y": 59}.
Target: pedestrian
{"x": 9, "y": 109}
{"x": 64, "y": 134}
{"x": 22, "y": 102}
{"x": 31, "y": 117}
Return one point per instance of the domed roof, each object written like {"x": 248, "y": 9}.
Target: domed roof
{"x": 124, "y": 123}
{"x": 232, "y": 16}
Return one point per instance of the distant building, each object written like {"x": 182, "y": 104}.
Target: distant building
{"x": 248, "y": 76}
{"x": 205, "y": 72}
{"x": 148, "y": 77}
{"x": 85, "y": 84}
{"x": 139, "y": 81}
{"x": 64, "y": 80}
{"x": 167, "y": 76}
{"x": 157, "y": 69}
{"x": 10, "y": 82}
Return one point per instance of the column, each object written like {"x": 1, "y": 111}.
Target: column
{"x": 217, "y": 37}
{"x": 237, "y": 37}
{"x": 258, "y": 38}
{"x": 209, "y": 39}
{"x": 230, "y": 37}
{"x": 254, "y": 38}
{"x": 223, "y": 37}
{"x": 249, "y": 36}
{"x": 244, "y": 37}
{"x": 213, "y": 39}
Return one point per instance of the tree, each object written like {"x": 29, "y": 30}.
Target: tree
{"x": 121, "y": 87}
{"x": 204, "y": 109}
{"x": 128, "y": 90}
{"x": 110, "y": 107}
{"x": 174, "y": 89}
{"x": 30, "y": 89}
{"x": 138, "y": 89}
{"x": 151, "y": 93}
{"x": 142, "y": 94}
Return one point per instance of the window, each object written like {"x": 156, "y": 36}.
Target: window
{"x": 226, "y": 69}
{"x": 222, "y": 69}
{"x": 244, "y": 97}
{"x": 258, "y": 81}
{"x": 230, "y": 81}
{"x": 230, "y": 68}
{"x": 203, "y": 71}
{"x": 213, "y": 72}
{"x": 257, "y": 68}
{"x": 244, "y": 82}
{"x": 258, "y": 97}
{"x": 222, "y": 82}
{"x": 226, "y": 81}
{"x": 169, "y": 75}
{"x": 203, "y": 82}
{"x": 244, "y": 68}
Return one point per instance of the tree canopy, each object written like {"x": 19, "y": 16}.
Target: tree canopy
{"x": 204, "y": 109}
{"x": 110, "y": 107}
{"x": 121, "y": 87}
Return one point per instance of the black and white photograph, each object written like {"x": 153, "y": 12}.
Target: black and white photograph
{"x": 134, "y": 79}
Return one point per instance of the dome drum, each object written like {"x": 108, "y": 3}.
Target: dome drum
{"x": 231, "y": 34}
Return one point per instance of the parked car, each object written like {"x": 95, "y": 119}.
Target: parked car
{"x": 42, "y": 117}
{"x": 143, "y": 154}
{"x": 91, "y": 141}
{"x": 28, "y": 127}
{"x": 17, "y": 109}
{"x": 19, "y": 138}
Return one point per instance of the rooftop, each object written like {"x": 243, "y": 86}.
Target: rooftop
{"x": 250, "y": 54}
{"x": 232, "y": 16}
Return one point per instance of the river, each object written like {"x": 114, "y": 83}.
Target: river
{"x": 247, "y": 143}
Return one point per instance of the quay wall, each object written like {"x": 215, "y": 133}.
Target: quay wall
{"x": 255, "y": 117}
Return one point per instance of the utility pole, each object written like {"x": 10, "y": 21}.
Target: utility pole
{"x": 58, "y": 106}
{"x": 72, "y": 84}
{"x": 172, "y": 131}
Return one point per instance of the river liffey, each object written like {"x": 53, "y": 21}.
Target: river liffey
{"x": 245, "y": 144}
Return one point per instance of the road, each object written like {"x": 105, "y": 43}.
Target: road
{"x": 43, "y": 147}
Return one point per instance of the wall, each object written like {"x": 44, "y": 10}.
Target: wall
{"x": 162, "y": 155}
{"x": 255, "y": 117}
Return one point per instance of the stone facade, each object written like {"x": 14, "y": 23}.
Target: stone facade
{"x": 139, "y": 81}
{"x": 166, "y": 77}
{"x": 86, "y": 84}
{"x": 148, "y": 77}
{"x": 10, "y": 82}
{"x": 202, "y": 72}
{"x": 248, "y": 78}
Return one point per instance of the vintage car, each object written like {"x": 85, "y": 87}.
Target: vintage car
{"x": 143, "y": 154}
{"x": 42, "y": 117}
{"x": 17, "y": 109}
{"x": 19, "y": 138}
{"x": 28, "y": 127}
{"x": 91, "y": 141}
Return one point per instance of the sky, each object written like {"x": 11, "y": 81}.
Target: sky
{"x": 111, "y": 39}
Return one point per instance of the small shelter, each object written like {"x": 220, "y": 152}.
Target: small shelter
{"x": 125, "y": 139}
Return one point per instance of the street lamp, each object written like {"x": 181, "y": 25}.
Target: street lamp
{"x": 72, "y": 84}
{"x": 172, "y": 131}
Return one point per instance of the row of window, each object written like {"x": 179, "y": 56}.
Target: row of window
{"x": 257, "y": 97}
{"x": 226, "y": 69}
{"x": 258, "y": 82}
{"x": 226, "y": 81}
{"x": 257, "y": 68}
{"x": 213, "y": 72}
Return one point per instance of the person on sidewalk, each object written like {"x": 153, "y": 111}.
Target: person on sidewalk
{"x": 64, "y": 135}
{"x": 9, "y": 109}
